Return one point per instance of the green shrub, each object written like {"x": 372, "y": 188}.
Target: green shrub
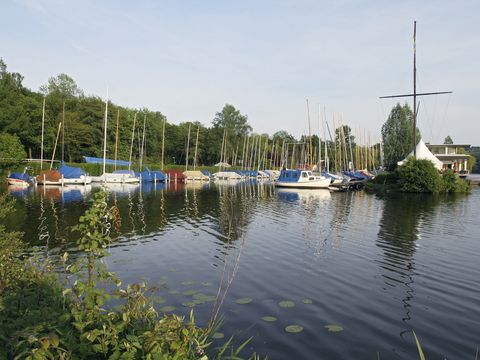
{"x": 386, "y": 178}
{"x": 419, "y": 176}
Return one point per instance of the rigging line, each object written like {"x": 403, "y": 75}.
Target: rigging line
{"x": 445, "y": 114}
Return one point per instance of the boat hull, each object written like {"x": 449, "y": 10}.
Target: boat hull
{"x": 314, "y": 184}
{"x": 18, "y": 182}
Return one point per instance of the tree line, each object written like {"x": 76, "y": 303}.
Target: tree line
{"x": 147, "y": 133}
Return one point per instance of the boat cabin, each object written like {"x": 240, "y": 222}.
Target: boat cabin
{"x": 295, "y": 176}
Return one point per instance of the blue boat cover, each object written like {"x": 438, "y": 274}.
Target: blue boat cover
{"x": 94, "y": 160}
{"x": 70, "y": 172}
{"x": 206, "y": 172}
{"x": 150, "y": 176}
{"x": 289, "y": 175}
{"x": 20, "y": 176}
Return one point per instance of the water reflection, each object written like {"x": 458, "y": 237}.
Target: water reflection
{"x": 400, "y": 227}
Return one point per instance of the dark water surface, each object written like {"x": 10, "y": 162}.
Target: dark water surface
{"x": 379, "y": 267}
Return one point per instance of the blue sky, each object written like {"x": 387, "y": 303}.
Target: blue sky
{"x": 188, "y": 58}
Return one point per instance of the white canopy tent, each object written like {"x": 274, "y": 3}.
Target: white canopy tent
{"x": 422, "y": 152}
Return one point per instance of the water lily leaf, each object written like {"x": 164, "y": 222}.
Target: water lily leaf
{"x": 198, "y": 301}
{"x": 206, "y": 283}
{"x": 172, "y": 270}
{"x": 334, "y": 328}
{"x": 243, "y": 301}
{"x": 189, "y": 292}
{"x": 167, "y": 308}
{"x": 294, "y": 329}
{"x": 218, "y": 335}
{"x": 200, "y": 296}
{"x": 307, "y": 301}
{"x": 159, "y": 300}
{"x": 162, "y": 282}
{"x": 174, "y": 292}
{"x": 286, "y": 304}
{"x": 188, "y": 304}
{"x": 269, "y": 318}
{"x": 188, "y": 282}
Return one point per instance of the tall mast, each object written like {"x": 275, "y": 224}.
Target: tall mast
{"x": 131, "y": 144}
{"x": 63, "y": 131}
{"x": 163, "y": 140}
{"x": 116, "y": 138}
{"x": 105, "y": 134}
{"x": 310, "y": 136}
{"x": 55, "y": 147}
{"x": 188, "y": 146}
{"x": 143, "y": 141}
{"x": 196, "y": 149}
{"x": 414, "y": 89}
{"x": 43, "y": 128}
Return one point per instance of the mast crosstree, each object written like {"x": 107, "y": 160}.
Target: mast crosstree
{"x": 415, "y": 94}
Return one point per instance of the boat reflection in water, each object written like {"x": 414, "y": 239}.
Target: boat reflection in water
{"x": 64, "y": 194}
{"x": 304, "y": 195}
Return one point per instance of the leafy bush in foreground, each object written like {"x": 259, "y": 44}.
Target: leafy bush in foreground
{"x": 44, "y": 319}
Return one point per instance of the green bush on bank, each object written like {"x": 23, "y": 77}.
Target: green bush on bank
{"x": 44, "y": 317}
{"x": 421, "y": 176}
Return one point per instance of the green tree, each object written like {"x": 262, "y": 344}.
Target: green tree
{"x": 11, "y": 149}
{"x": 448, "y": 140}
{"x": 397, "y": 135}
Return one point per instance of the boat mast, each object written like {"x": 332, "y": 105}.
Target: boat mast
{"x": 116, "y": 139}
{"x": 310, "y": 136}
{"x": 55, "y": 147}
{"x": 143, "y": 141}
{"x": 188, "y": 146}
{"x": 131, "y": 143}
{"x": 414, "y": 89}
{"x": 63, "y": 131}
{"x": 196, "y": 149}
{"x": 43, "y": 128}
{"x": 105, "y": 135}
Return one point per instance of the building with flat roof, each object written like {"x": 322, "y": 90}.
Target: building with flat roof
{"x": 452, "y": 156}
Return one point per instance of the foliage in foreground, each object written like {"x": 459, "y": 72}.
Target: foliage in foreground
{"x": 44, "y": 319}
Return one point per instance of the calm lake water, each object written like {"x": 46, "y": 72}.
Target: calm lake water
{"x": 379, "y": 267}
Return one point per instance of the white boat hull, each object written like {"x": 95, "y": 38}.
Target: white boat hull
{"x": 312, "y": 184}
{"x": 116, "y": 178}
{"x": 18, "y": 183}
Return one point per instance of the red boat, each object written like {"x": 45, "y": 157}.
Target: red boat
{"x": 175, "y": 176}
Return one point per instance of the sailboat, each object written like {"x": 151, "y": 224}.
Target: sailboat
{"x": 118, "y": 176}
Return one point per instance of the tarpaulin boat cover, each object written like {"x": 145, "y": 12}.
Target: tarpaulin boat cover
{"x": 20, "y": 176}
{"x": 149, "y": 175}
{"x": 70, "y": 172}
{"x": 50, "y": 175}
{"x": 94, "y": 160}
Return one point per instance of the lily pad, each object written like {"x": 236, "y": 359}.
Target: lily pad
{"x": 189, "y": 292}
{"x": 206, "y": 283}
{"x": 286, "y": 304}
{"x": 159, "y": 300}
{"x": 174, "y": 292}
{"x": 294, "y": 329}
{"x": 167, "y": 308}
{"x": 188, "y": 282}
{"x": 172, "y": 270}
{"x": 269, "y": 318}
{"x": 203, "y": 297}
{"x": 244, "y": 301}
{"x": 198, "y": 301}
{"x": 334, "y": 328}
{"x": 307, "y": 301}
{"x": 188, "y": 304}
{"x": 218, "y": 335}
{"x": 162, "y": 282}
